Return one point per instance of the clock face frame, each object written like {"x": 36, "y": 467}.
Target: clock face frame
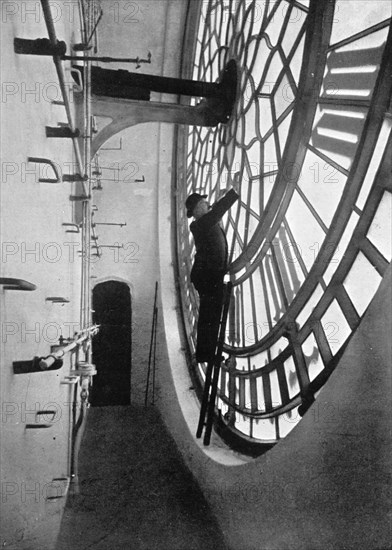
{"x": 309, "y": 140}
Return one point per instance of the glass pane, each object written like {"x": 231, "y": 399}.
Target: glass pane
{"x": 242, "y": 423}
{"x": 237, "y": 392}
{"x": 313, "y": 358}
{"x": 352, "y": 70}
{"x": 296, "y": 62}
{"x": 374, "y": 163}
{"x": 268, "y": 183}
{"x": 288, "y": 421}
{"x": 250, "y": 125}
{"x": 275, "y": 25}
{"x": 361, "y": 283}
{"x": 309, "y": 306}
{"x": 289, "y": 266}
{"x": 224, "y": 382}
{"x": 260, "y": 359}
{"x": 277, "y": 347}
{"x": 380, "y": 231}
{"x": 283, "y": 96}
{"x": 297, "y": 19}
{"x": 265, "y": 114}
{"x": 253, "y": 155}
{"x": 248, "y": 401}
{"x": 335, "y": 327}
{"x": 241, "y": 221}
{"x": 264, "y": 429}
{"x": 253, "y": 223}
{"x": 255, "y": 197}
{"x": 252, "y": 18}
{"x": 273, "y": 293}
{"x": 275, "y": 390}
{"x": 274, "y": 71}
{"x": 259, "y": 66}
{"x": 260, "y": 306}
{"x": 241, "y": 363}
{"x": 271, "y": 162}
{"x": 222, "y": 407}
{"x": 260, "y": 394}
{"x": 345, "y": 25}
{"x": 291, "y": 377}
{"x": 283, "y": 131}
{"x": 306, "y": 231}
{"x": 250, "y": 327}
{"x": 340, "y": 250}
{"x": 336, "y": 132}
{"x": 322, "y": 184}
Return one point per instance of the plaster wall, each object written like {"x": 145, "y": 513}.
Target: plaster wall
{"x": 136, "y": 263}
{"x": 36, "y": 248}
{"x": 124, "y": 200}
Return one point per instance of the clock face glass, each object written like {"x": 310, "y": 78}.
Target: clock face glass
{"x": 307, "y": 145}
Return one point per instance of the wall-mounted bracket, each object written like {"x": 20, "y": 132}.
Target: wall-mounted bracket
{"x": 26, "y": 367}
{"x": 9, "y": 283}
{"x": 39, "y": 46}
{"x": 61, "y": 132}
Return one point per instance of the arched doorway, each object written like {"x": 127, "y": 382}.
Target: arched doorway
{"x": 112, "y": 346}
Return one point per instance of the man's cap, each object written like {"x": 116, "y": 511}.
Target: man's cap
{"x": 191, "y": 202}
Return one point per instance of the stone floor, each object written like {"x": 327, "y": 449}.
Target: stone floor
{"x": 134, "y": 491}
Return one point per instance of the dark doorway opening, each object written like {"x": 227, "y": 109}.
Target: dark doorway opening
{"x": 112, "y": 346}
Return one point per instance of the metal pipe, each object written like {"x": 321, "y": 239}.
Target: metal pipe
{"x": 152, "y": 348}
{"x": 78, "y": 435}
{"x": 82, "y": 336}
{"x": 61, "y": 76}
{"x": 95, "y": 26}
{"x": 107, "y": 59}
{"x": 108, "y": 223}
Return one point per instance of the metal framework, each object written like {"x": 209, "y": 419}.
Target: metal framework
{"x": 310, "y": 142}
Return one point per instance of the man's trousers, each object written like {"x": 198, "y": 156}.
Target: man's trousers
{"x": 208, "y": 322}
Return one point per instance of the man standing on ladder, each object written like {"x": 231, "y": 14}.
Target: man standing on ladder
{"x": 210, "y": 266}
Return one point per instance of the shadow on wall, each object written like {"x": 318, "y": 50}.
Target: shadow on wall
{"x": 112, "y": 346}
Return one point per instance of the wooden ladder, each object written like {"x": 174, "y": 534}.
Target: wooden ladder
{"x": 212, "y": 374}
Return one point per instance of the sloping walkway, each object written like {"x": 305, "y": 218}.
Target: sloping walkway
{"x": 135, "y": 492}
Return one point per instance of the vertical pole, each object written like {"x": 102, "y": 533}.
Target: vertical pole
{"x": 154, "y": 355}
{"x": 204, "y": 403}
{"x": 232, "y": 389}
{"x": 151, "y": 346}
